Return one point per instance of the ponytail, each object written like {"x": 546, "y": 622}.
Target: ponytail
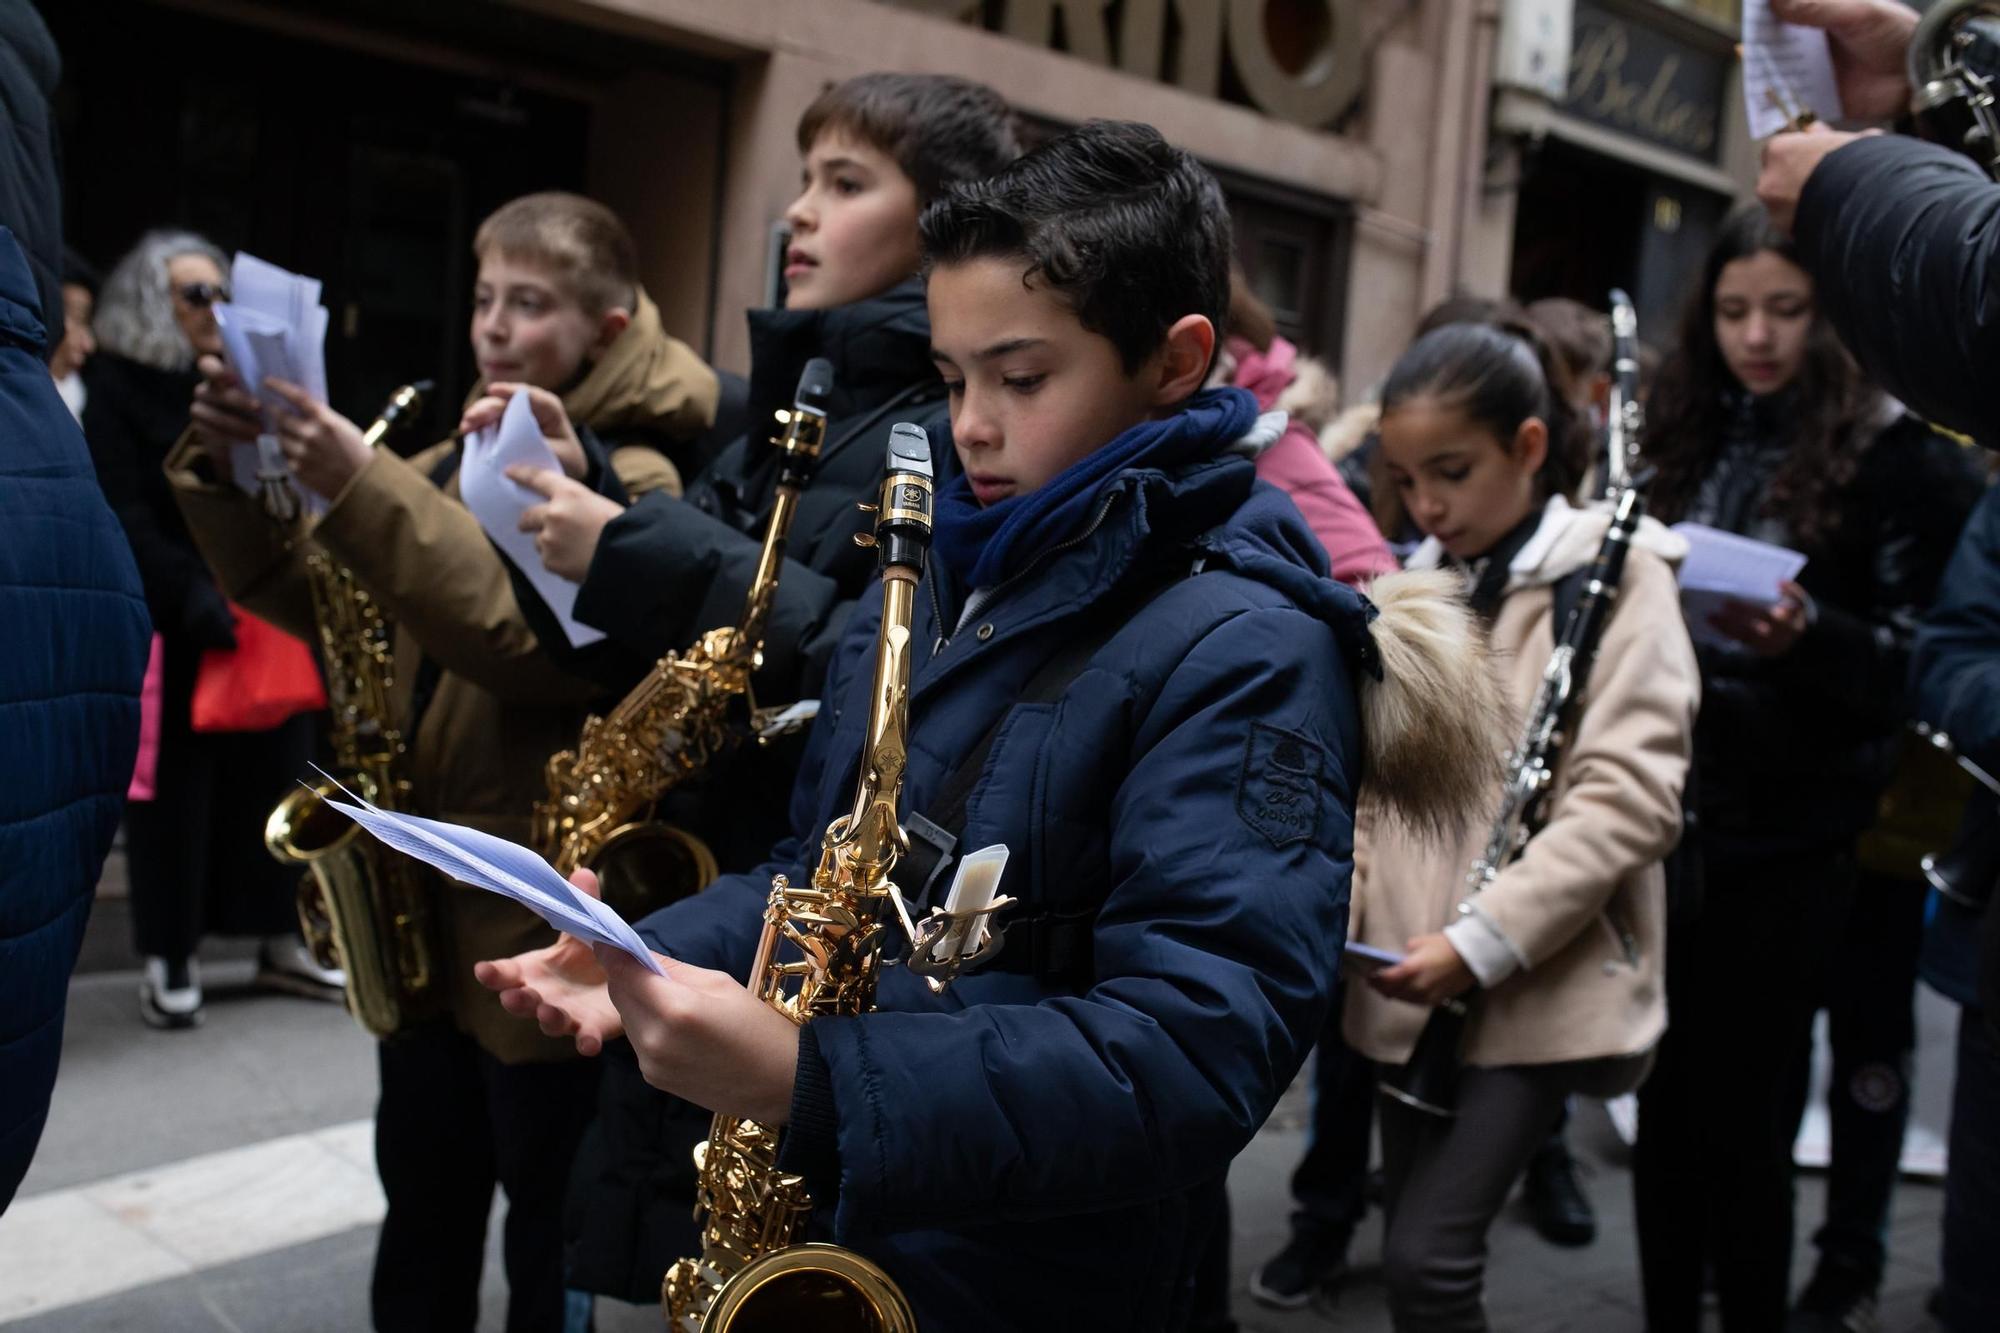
{"x": 1500, "y": 375}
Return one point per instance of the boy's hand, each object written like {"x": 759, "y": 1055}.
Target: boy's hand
{"x": 560, "y": 987}
{"x": 1789, "y": 162}
{"x": 567, "y": 528}
{"x": 551, "y": 418}
{"x": 1431, "y": 973}
{"x": 1767, "y": 631}
{"x": 224, "y": 412}
{"x": 325, "y": 449}
{"x": 1870, "y": 44}
{"x": 702, "y": 1036}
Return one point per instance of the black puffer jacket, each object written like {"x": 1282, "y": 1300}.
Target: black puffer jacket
{"x": 1792, "y": 752}
{"x": 30, "y": 154}
{"x": 1903, "y": 241}
{"x": 670, "y": 568}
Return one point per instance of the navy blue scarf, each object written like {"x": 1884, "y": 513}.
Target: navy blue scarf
{"x": 982, "y": 547}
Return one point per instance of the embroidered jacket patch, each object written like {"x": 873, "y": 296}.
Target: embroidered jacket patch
{"x": 1278, "y": 792}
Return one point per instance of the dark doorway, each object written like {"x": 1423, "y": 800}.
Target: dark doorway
{"x": 1586, "y": 223}
{"x": 366, "y": 164}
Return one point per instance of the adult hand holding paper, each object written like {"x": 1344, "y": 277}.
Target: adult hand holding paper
{"x": 274, "y": 327}
{"x": 1787, "y": 73}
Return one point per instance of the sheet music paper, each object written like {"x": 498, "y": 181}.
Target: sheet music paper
{"x": 498, "y": 866}
{"x": 498, "y": 504}
{"x": 1787, "y": 70}
{"x": 272, "y": 327}
{"x": 1723, "y": 567}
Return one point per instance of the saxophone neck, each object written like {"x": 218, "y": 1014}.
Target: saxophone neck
{"x": 798, "y": 454}
{"x": 868, "y": 840}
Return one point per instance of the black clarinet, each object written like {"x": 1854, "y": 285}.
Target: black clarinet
{"x": 1429, "y": 1081}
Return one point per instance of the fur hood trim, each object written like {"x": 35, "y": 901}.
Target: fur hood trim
{"x": 1346, "y": 432}
{"x": 1432, "y": 717}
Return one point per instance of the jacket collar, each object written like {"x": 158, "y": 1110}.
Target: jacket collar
{"x": 878, "y": 348}
{"x": 1565, "y": 541}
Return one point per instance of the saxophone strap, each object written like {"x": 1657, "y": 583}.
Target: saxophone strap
{"x": 1047, "y": 942}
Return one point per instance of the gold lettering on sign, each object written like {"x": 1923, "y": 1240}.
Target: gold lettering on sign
{"x": 1603, "y": 88}
{"x": 1311, "y": 88}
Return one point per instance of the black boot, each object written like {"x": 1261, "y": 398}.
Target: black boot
{"x": 1841, "y": 1298}
{"x": 1555, "y": 1200}
{"x": 1314, "y": 1260}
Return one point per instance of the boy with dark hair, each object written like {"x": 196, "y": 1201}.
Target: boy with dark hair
{"x": 467, "y": 1101}
{"x": 875, "y": 149}
{"x": 1052, "y": 1134}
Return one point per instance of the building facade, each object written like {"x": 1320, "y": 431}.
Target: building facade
{"x": 1378, "y": 154}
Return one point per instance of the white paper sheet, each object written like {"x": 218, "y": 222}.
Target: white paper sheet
{"x": 502, "y": 867}
{"x": 1787, "y": 69}
{"x": 498, "y": 504}
{"x": 1722, "y": 567}
{"x": 273, "y": 327}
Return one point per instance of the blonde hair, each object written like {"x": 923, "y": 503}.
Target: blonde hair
{"x": 581, "y": 241}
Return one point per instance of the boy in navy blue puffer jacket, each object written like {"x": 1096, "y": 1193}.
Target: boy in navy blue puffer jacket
{"x": 1045, "y": 1144}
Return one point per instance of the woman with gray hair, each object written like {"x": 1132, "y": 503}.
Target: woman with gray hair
{"x": 196, "y": 850}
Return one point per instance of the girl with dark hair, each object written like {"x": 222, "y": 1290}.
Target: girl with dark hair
{"x": 1761, "y": 425}
{"x": 1567, "y": 944}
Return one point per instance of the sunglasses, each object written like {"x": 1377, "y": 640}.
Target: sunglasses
{"x": 201, "y": 295}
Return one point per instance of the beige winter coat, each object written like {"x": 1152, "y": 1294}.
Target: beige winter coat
{"x": 1569, "y": 941}
{"x": 500, "y": 706}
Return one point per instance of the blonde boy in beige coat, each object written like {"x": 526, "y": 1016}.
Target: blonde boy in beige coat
{"x": 1567, "y": 946}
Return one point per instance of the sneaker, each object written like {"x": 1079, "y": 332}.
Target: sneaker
{"x": 1555, "y": 1199}
{"x": 1841, "y": 1298}
{"x": 170, "y": 993}
{"x": 1314, "y": 1260}
{"x": 284, "y": 963}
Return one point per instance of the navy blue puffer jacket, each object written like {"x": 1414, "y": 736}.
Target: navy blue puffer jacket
{"x": 76, "y": 633}
{"x": 1042, "y": 1150}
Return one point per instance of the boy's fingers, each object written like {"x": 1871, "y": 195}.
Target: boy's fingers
{"x": 497, "y": 974}
{"x": 585, "y": 882}
{"x": 543, "y": 481}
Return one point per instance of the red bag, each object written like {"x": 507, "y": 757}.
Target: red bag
{"x": 146, "y": 767}
{"x": 267, "y": 677}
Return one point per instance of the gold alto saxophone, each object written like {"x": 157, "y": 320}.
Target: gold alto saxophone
{"x": 362, "y": 911}
{"x": 691, "y": 708}
{"x": 754, "y": 1272}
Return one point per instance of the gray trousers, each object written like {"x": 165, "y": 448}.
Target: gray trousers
{"x": 1444, "y": 1181}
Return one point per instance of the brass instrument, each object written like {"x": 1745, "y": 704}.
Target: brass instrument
{"x": 691, "y": 708}
{"x": 363, "y": 911}
{"x": 753, "y": 1272}
{"x": 1952, "y": 94}
{"x": 1428, "y": 1082}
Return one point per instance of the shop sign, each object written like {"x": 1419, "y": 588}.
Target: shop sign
{"x": 1640, "y": 81}
{"x": 1297, "y": 60}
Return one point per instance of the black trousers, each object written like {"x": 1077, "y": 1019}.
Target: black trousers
{"x": 196, "y": 851}
{"x": 1712, "y": 1170}
{"x": 1871, "y": 1017}
{"x": 452, "y": 1122}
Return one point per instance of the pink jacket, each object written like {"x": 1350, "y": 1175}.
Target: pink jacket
{"x": 1296, "y": 465}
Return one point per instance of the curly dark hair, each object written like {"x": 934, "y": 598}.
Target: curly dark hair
{"x": 1687, "y": 413}
{"x": 1131, "y": 231}
{"x": 1500, "y": 373}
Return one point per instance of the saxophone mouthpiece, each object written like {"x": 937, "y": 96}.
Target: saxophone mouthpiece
{"x": 903, "y": 516}
{"x": 815, "y": 386}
